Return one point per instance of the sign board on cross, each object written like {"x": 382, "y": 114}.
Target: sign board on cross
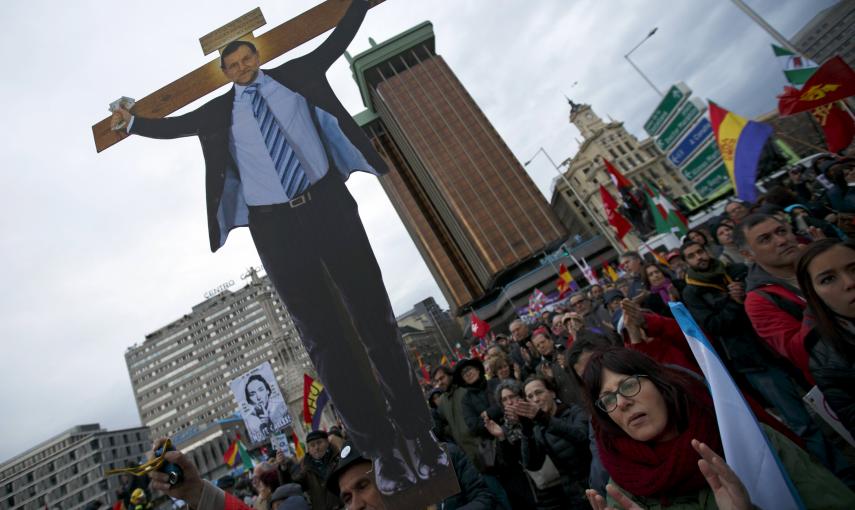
{"x": 713, "y": 181}
{"x": 669, "y": 104}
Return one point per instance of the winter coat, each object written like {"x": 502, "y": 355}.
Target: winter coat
{"x": 835, "y": 377}
{"x": 817, "y": 487}
{"x": 564, "y": 437}
{"x": 775, "y": 308}
{"x": 473, "y": 494}
{"x": 453, "y": 423}
{"x": 665, "y": 342}
{"x": 314, "y": 483}
{"x": 727, "y": 323}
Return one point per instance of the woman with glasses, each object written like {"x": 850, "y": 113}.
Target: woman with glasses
{"x": 557, "y": 429}
{"x": 658, "y": 439}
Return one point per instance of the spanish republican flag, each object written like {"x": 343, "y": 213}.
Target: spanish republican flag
{"x": 298, "y": 448}
{"x": 237, "y": 453}
{"x": 740, "y": 142}
{"x": 565, "y": 283}
{"x": 314, "y": 399}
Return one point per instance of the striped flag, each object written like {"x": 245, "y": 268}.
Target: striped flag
{"x": 315, "y": 397}
{"x": 796, "y": 68}
{"x": 237, "y": 453}
{"x": 746, "y": 447}
{"x": 298, "y": 447}
{"x": 565, "y": 283}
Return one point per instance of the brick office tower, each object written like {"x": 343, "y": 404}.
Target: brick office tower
{"x": 471, "y": 209}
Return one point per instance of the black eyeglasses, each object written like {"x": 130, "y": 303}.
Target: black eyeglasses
{"x": 629, "y": 387}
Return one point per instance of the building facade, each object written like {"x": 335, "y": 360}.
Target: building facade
{"x": 429, "y": 330}
{"x": 466, "y": 201}
{"x": 180, "y": 374}
{"x": 831, "y": 32}
{"x": 67, "y": 471}
{"x": 586, "y": 171}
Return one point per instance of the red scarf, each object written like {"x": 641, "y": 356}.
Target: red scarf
{"x": 666, "y": 469}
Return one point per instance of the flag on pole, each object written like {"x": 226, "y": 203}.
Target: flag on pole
{"x": 740, "y": 142}
{"x": 479, "y": 327}
{"x": 586, "y": 270}
{"x": 616, "y": 219}
{"x": 315, "y": 397}
{"x": 796, "y": 68}
{"x": 536, "y": 301}
{"x": 609, "y": 271}
{"x": 837, "y": 125}
{"x": 746, "y": 447}
{"x": 665, "y": 214}
{"x": 298, "y": 447}
{"x": 422, "y": 367}
{"x": 565, "y": 283}
{"x": 623, "y": 185}
{"x": 833, "y": 81}
{"x": 236, "y": 453}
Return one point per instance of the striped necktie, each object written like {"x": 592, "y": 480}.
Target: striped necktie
{"x": 291, "y": 174}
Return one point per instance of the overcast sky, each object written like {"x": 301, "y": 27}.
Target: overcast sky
{"x": 101, "y": 249}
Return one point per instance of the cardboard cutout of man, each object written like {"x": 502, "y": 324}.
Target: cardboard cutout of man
{"x": 278, "y": 147}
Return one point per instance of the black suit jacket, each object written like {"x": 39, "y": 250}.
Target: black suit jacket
{"x": 211, "y": 122}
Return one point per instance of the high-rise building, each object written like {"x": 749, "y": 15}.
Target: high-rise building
{"x": 831, "y": 32}
{"x": 180, "y": 374}
{"x": 67, "y": 471}
{"x": 468, "y": 204}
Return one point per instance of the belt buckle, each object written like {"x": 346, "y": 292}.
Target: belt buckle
{"x": 302, "y": 199}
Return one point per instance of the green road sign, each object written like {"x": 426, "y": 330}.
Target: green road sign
{"x": 705, "y": 158}
{"x": 669, "y": 104}
{"x": 684, "y": 118}
{"x": 713, "y": 181}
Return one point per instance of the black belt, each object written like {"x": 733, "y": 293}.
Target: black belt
{"x": 297, "y": 201}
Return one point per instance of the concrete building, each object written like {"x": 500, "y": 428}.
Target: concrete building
{"x": 635, "y": 159}
{"x": 468, "y": 204}
{"x": 67, "y": 471}
{"x": 831, "y": 32}
{"x": 181, "y": 372}
{"x": 430, "y": 330}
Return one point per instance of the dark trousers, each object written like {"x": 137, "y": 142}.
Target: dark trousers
{"x": 320, "y": 261}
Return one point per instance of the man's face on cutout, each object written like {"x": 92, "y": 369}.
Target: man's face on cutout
{"x": 241, "y": 66}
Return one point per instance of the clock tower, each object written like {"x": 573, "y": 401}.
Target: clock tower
{"x": 584, "y": 118}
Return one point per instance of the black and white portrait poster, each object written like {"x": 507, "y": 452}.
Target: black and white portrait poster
{"x": 260, "y": 402}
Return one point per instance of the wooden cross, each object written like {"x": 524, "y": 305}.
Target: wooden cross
{"x": 209, "y": 77}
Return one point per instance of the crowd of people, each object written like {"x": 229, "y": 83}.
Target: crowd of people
{"x": 600, "y": 403}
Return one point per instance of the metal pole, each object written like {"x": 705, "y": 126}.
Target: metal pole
{"x": 603, "y": 229}
{"x": 649, "y": 35}
{"x": 765, "y": 26}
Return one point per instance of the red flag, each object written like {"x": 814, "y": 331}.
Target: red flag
{"x": 422, "y": 367}
{"x": 618, "y": 179}
{"x": 837, "y": 125}
{"x": 832, "y": 81}
{"x": 307, "y": 390}
{"x": 616, "y": 219}
{"x": 479, "y": 327}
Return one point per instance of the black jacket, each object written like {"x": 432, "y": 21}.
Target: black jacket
{"x": 727, "y": 323}
{"x": 473, "y": 494}
{"x": 306, "y": 75}
{"x": 564, "y": 437}
{"x": 834, "y": 376}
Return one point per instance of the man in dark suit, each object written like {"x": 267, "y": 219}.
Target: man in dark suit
{"x": 278, "y": 147}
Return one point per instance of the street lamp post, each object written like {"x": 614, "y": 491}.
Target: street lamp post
{"x": 602, "y": 228}
{"x": 649, "y": 35}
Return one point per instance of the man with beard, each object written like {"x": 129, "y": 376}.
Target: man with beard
{"x": 314, "y": 469}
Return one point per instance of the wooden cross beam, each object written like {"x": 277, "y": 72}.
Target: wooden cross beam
{"x": 209, "y": 77}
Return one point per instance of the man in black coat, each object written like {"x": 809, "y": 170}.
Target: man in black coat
{"x": 278, "y": 147}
